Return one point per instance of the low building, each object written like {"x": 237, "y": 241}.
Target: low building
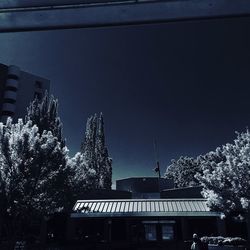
{"x": 109, "y": 219}
{"x": 141, "y": 223}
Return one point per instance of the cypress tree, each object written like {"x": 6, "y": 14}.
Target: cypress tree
{"x": 96, "y": 154}
{"x": 103, "y": 160}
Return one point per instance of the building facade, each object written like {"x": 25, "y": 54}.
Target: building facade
{"x": 17, "y": 90}
{"x": 141, "y": 223}
{"x": 184, "y": 192}
{"x": 144, "y": 187}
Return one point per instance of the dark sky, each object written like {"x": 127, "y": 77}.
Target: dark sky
{"x": 187, "y": 84}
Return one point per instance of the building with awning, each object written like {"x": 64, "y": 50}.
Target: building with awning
{"x": 142, "y": 223}
{"x": 143, "y": 207}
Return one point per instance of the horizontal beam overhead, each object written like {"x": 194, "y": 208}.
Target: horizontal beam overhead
{"x": 63, "y": 14}
{"x": 48, "y": 3}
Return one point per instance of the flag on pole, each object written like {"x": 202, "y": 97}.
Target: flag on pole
{"x": 157, "y": 169}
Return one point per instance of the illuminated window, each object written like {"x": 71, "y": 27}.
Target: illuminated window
{"x": 150, "y": 231}
{"x": 167, "y": 232}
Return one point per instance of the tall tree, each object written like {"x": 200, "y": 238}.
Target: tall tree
{"x": 226, "y": 183}
{"x": 44, "y": 113}
{"x": 84, "y": 177}
{"x": 34, "y": 176}
{"x": 89, "y": 143}
{"x": 96, "y": 154}
{"x": 103, "y": 160}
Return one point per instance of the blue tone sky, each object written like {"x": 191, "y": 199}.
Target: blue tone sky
{"x": 186, "y": 84}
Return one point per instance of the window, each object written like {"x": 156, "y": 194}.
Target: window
{"x": 11, "y": 88}
{"x": 167, "y": 232}
{"x": 11, "y": 76}
{"x": 150, "y": 232}
{"x": 38, "y": 95}
{"x": 38, "y": 84}
{"x": 8, "y": 100}
{"x": 159, "y": 230}
{"x": 7, "y": 113}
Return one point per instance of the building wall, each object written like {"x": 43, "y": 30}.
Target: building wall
{"x": 3, "y": 77}
{"x": 104, "y": 194}
{"x": 17, "y": 90}
{"x": 188, "y": 192}
{"x": 144, "y": 187}
{"x": 29, "y": 87}
{"x": 172, "y": 233}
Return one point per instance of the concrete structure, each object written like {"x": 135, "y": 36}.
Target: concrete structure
{"x": 104, "y": 194}
{"x": 144, "y": 187}
{"x": 62, "y": 14}
{"x": 17, "y": 90}
{"x": 185, "y": 192}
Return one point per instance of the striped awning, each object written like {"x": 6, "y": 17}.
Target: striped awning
{"x": 142, "y": 207}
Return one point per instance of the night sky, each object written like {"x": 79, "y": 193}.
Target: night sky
{"x": 185, "y": 84}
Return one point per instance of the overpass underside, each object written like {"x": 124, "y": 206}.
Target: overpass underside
{"x": 62, "y": 14}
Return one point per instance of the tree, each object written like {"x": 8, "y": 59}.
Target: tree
{"x": 211, "y": 159}
{"x": 95, "y": 152}
{"x": 89, "y": 143}
{"x": 84, "y": 177}
{"x": 33, "y": 176}
{"x": 44, "y": 113}
{"x": 183, "y": 171}
{"x": 226, "y": 183}
{"x": 104, "y": 162}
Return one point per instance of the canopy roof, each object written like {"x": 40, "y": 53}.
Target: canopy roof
{"x": 142, "y": 207}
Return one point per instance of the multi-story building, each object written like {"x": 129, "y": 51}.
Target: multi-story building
{"x": 17, "y": 90}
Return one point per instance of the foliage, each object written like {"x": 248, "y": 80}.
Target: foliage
{"x": 220, "y": 240}
{"x": 37, "y": 178}
{"x": 44, "y": 113}
{"x": 84, "y": 176}
{"x": 223, "y": 173}
{"x": 95, "y": 153}
{"x": 33, "y": 175}
{"x": 226, "y": 183}
{"x": 183, "y": 171}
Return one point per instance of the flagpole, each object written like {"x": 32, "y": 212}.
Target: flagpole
{"x": 157, "y": 168}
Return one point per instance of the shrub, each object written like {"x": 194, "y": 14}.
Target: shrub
{"x": 219, "y": 240}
